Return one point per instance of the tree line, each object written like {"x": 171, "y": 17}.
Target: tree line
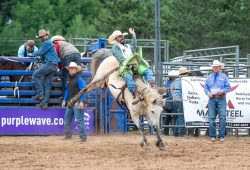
{"x": 188, "y": 24}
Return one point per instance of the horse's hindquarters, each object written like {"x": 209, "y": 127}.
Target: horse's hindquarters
{"x": 106, "y": 66}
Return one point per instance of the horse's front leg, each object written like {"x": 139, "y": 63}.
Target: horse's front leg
{"x": 159, "y": 142}
{"x": 136, "y": 119}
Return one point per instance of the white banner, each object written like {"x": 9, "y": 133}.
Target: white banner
{"x": 195, "y": 103}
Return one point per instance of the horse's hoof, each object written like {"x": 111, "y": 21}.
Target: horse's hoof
{"x": 144, "y": 145}
{"x": 162, "y": 148}
{"x": 157, "y": 143}
{"x": 160, "y": 145}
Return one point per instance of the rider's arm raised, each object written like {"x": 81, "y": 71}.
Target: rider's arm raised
{"x": 133, "y": 44}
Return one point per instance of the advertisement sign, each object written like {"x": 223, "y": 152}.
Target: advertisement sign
{"x": 36, "y": 121}
{"x": 195, "y": 103}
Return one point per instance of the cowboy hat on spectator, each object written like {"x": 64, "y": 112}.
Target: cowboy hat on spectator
{"x": 57, "y": 38}
{"x": 217, "y": 63}
{"x": 173, "y": 73}
{"x": 42, "y": 32}
{"x": 183, "y": 70}
{"x": 114, "y": 35}
{"x": 74, "y": 65}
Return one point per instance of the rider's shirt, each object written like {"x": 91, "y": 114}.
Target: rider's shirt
{"x": 126, "y": 50}
{"x": 121, "y": 52}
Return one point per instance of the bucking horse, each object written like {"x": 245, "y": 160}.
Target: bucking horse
{"x": 104, "y": 68}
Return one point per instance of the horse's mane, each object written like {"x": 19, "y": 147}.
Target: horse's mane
{"x": 142, "y": 85}
{"x": 98, "y": 57}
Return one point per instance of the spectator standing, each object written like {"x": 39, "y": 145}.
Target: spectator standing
{"x": 75, "y": 84}
{"x": 216, "y": 87}
{"x": 169, "y": 107}
{"x": 178, "y": 104}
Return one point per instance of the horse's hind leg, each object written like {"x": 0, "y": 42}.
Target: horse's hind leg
{"x": 144, "y": 143}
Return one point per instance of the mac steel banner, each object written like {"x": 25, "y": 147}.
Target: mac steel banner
{"x": 195, "y": 103}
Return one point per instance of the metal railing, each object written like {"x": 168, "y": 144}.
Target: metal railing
{"x": 84, "y": 43}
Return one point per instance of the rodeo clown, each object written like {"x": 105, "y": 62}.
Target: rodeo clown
{"x": 124, "y": 53}
{"x": 74, "y": 85}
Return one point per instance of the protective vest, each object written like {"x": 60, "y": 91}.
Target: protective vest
{"x": 126, "y": 50}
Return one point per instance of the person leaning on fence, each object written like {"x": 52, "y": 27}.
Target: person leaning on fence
{"x": 216, "y": 86}
{"x": 55, "y": 39}
{"x": 47, "y": 69}
{"x": 169, "y": 107}
{"x": 123, "y": 53}
{"x": 178, "y": 104}
{"x": 75, "y": 84}
{"x": 27, "y": 48}
{"x": 67, "y": 53}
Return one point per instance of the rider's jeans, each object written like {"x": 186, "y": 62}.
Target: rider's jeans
{"x": 148, "y": 75}
{"x": 128, "y": 78}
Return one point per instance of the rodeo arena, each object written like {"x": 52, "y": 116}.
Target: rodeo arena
{"x": 99, "y": 104}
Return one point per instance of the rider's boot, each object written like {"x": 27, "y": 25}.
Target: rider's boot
{"x": 136, "y": 97}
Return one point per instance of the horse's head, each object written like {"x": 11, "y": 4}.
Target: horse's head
{"x": 154, "y": 105}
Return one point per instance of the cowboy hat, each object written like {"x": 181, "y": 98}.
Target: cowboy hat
{"x": 114, "y": 35}
{"x": 57, "y": 38}
{"x": 216, "y": 63}
{"x": 173, "y": 73}
{"x": 183, "y": 70}
{"x": 42, "y": 33}
{"x": 74, "y": 65}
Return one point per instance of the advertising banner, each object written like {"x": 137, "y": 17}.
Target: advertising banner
{"x": 195, "y": 103}
{"x": 35, "y": 121}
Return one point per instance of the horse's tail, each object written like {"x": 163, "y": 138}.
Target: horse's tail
{"x": 98, "y": 57}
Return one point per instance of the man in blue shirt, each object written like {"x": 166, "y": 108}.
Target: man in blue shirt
{"x": 75, "y": 84}
{"x": 47, "y": 69}
{"x": 178, "y": 104}
{"x": 27, "y": 48}
{"x": 216, "y": 87}
{"x": 169, "y": 107}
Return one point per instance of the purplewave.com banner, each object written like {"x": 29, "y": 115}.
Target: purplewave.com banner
{"x": 35, "y": 121}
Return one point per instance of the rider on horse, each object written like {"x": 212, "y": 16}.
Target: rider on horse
{"x": 124, "y": 53}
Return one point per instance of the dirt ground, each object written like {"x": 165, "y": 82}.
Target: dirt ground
{"x": 122, "y": 152}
